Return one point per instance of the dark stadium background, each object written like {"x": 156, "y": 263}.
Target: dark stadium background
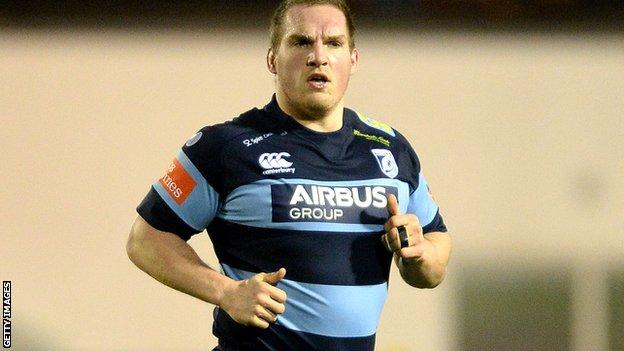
{"x": 460, "y": 14}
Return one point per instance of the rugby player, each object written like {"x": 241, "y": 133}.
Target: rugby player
{"x": 306, "y": 203}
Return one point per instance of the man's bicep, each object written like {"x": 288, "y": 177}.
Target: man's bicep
{"x": 142, "y": 230}
{"x": 144, "y": 237}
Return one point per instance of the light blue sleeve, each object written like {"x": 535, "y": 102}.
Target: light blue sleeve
{"x": 199, "y": 206}
{"x": 421, "y": 202}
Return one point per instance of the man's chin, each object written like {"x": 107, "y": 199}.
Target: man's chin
{"x": 319, "y": 106}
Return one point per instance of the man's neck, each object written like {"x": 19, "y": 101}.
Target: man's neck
{"x": 328, "y": 122}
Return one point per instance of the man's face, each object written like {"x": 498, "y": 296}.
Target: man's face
{"x": 314, "y": 61}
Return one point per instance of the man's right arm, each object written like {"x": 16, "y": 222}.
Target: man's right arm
{"x": 172, "y": 261}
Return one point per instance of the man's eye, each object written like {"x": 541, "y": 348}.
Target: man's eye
{"x": 335, "y": 44}
{"x": 302, "y": 43}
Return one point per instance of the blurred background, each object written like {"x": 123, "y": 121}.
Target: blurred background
{"x": 514, "y": 107}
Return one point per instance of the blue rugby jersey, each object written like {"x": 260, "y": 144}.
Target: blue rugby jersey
{"x": 272, "y": 193}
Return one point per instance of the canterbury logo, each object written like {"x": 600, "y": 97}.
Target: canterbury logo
{"x": 274, "y": 160}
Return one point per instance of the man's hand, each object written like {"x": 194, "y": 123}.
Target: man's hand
{"x": 417, "y": 245}
{"x": 255, "y": 301}
{"x": 423, "y": 261}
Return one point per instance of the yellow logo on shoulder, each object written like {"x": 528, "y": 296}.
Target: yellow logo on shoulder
{"x": 376, "y": 138}
{"x": 376, "y": 124}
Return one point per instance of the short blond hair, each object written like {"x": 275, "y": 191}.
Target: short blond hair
{"x": 277, "y": 32}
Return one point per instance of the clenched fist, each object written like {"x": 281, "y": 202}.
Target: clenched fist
{"x": 416, "y": 246}
{"x": 255, "y": 301}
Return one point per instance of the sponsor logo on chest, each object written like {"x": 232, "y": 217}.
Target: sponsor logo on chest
{"x": 275, "y": 163}
{"x": 342, "y": 204}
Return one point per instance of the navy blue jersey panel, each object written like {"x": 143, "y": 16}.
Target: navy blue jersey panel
{"x": 436, "y": 225}
{"x": 241, "y": 146}
{"x": 206, "y": 152}
{"x": 235, "y": 336}
{"x": 298, "y": 158}
{"x": 309, "y": 257}
{"x": 407, "y": 156}
{"x": 160, "y": 216}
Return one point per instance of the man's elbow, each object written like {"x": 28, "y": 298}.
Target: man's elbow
{"x": 134, "y": 243}
{"x": 131, "y": 247}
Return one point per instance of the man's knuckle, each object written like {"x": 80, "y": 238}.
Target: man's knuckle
{"x": 265, "y": 301}
{"x": 248, "y": 321}
{"x": 258, "y": 296}
{"x": 392, "y": 235}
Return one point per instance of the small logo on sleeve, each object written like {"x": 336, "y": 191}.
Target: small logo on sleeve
{"x": 386, "y": 162}
{"x": 194, "y": 139}
{"x": 177, "y": 182}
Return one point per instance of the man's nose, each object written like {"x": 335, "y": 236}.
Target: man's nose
{"x": 318, "y": 55}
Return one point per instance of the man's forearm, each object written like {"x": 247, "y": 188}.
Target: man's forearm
{"x": 173, "y": 262}
{"x": 429, "y": 270}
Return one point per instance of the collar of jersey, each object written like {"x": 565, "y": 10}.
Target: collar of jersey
{"x": 291, "y": 124}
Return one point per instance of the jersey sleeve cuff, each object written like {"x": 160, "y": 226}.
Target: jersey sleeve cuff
{"x": 436, "y": 225}
{"x": 158, "y": 214}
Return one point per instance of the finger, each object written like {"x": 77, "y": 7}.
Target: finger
{"x": 396, "y": 221}
{"x": 275, "y": 277}
{"x": 274, "y": 306}
{"x": 258, "y": 322}
{"x": 401, "y": 237}
{"x": 411, "y": 254}
{"x": 265, "y": 314}
{"x": 277, "y": 294}
{"x": 393, "y": 205}
{"x": 385, "y": 243}
{"x": 396, "y": 243}
{"x": 393, "y": 240}
{"x": 409, "y": 220}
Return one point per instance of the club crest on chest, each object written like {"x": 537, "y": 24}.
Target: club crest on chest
{"x": 386, "y": 162}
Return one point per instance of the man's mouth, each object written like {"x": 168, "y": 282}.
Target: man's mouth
{"x": 318, "y": 80}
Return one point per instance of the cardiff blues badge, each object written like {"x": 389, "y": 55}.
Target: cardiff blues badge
{"x": 386, "y": 162}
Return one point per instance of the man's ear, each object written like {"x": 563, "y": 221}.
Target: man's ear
{"x": 271, "y": 61}
{"x": 355, "y": 58}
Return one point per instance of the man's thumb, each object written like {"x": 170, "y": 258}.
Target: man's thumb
{"x": 274, "y": 277}
{"x": 393, "y": 205}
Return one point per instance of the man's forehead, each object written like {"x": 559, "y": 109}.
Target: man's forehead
{"x": 308, "y": 20}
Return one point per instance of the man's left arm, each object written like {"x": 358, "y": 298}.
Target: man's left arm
{"x": 423, "y": 261}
